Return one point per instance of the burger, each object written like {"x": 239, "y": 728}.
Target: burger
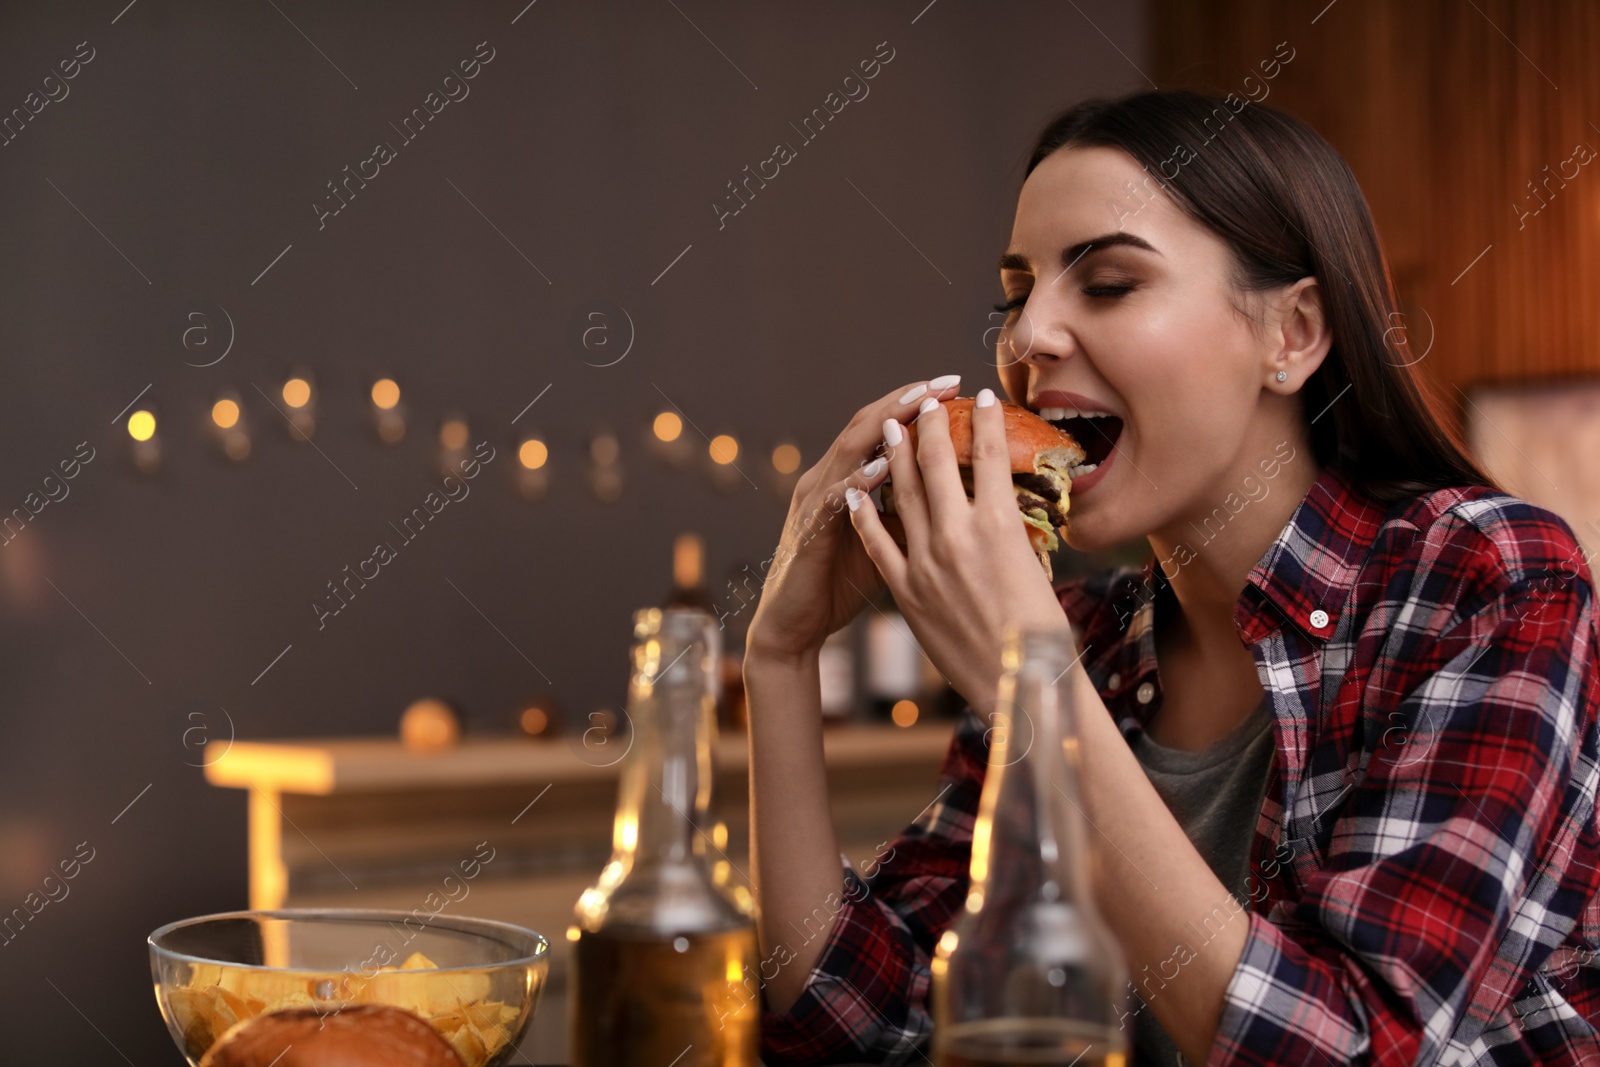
{"x": 1043, "y": 458}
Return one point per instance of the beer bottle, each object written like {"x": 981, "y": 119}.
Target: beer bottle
{"x": 665, "y": 964}
{"x": 688, "y": 573}
{"x": 1029, "y": 972}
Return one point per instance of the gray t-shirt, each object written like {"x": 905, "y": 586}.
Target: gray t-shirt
{"x": 1215, "y": 794}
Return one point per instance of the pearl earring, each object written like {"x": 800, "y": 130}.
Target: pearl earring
{"x": 1283, "y": 376}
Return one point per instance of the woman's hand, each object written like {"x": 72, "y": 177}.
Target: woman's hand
{"x": 820, "y": 575}
{"x": 968, "y": 568}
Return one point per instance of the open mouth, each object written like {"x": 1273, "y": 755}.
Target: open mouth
{"x": 1096, "y": 431}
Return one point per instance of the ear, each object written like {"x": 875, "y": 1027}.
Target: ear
{"x": 1300, "y": 339}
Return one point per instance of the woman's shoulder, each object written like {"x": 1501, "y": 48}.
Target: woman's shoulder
{"x": 1483, "y": 531}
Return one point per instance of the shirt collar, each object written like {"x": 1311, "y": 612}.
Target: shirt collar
{"x": 1306, "y": 576}
{"x": 1310, "y": 567}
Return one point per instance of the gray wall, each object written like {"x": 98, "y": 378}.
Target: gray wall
{"x": 187, "y": 154}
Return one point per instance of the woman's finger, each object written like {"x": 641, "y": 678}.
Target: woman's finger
{"x": 936, "y": 460}
{"x": 910, "y": 501}
{"x": 869, "y": 475}
{"x": 863, "y": 438}
{"x": 831, "y": 503}
{"x": 991, "y": 456}
{"x": 880, "y": 546}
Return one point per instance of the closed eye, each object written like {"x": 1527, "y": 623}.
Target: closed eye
{"x": 1102, "y": 292}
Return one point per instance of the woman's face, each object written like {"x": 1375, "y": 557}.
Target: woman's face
{"x": 1120, "y": 304}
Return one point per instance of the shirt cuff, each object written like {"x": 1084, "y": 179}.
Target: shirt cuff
{"x": 861, "y": 998}
{"x": 1283, "y": 1005}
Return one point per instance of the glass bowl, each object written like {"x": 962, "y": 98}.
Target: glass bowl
{"x": 474, "y": 980}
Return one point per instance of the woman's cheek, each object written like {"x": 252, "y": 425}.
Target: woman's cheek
{"x": 1013, "y": 376}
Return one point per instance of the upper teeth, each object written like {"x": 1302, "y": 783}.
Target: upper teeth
{"x": 1057, "y": 414}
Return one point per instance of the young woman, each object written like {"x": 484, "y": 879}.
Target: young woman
{"x": 1339, "y": 734}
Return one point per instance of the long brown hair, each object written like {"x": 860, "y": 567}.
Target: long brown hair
{"x": 1288, "y": 206}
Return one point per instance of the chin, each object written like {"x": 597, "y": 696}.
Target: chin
{"x": 1084, "y": 534}
{"x": 1101, "y": 524}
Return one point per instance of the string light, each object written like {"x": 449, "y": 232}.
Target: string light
{"x": 141, "y": 425}
{"x": 385, "y": 394}
{"x": 236, "y": 446}
{"x": 605, "y": 472}
{"x": 668, "y": 426}
{"x": 904, "y": 713}
{"x": 532, "y": 477}
{"x": 533, "y": 453}
{"x": 225, "y": 413}
{"x": 388, "y": 416}
{"x": 145, "y": 447}
{"x": 300, "y": 396}
{"x": 664, "y": 436}
{"x": 228, "y": 430}
{"x": 452, "y": 444}
{"x": 297, "y": 392}
{"x": 534, "y": 721}
{"x": 453, "y": 434}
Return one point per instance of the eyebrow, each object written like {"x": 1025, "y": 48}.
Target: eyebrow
{"x": 1070, "y": 255}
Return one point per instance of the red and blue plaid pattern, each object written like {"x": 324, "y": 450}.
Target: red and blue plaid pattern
{"x": 1425, "y": 860}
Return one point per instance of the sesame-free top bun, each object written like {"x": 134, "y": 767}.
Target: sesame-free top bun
{"x": 1034, "y": 442}
{"x": 360, "y": 1035}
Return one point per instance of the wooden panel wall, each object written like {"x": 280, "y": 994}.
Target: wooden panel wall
{"x": 1446, "y": 110}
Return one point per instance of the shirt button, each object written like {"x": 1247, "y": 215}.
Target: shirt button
{"x": 1114, "y": 682}
{"x": 1319, "y": 619}
{"x": 1145, "y": 693}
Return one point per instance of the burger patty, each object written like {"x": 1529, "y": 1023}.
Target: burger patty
{"x": 1028, "y": 500}
{"x": 1034, "y": 491}
{"x": 1046, "y": 490}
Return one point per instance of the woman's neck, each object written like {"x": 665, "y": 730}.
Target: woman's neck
{"x": 1207, "y": 555}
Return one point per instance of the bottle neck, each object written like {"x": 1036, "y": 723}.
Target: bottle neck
{"x": 1029, "y": 843}
{"x": 664, "y": 805}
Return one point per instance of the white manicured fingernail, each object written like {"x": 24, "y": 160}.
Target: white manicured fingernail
{"x": 927, "y": 406}
{"x": 852, "y": 496}
{"x": 912, "y": 394}
{"x": 892, "y": 434}
{"x": 875, "y": 468}
{"x": 985, "y": 397}
{"x": 943, "y": 382}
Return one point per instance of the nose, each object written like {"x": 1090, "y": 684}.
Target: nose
{"x": 1031, "y": 344}
{"x": 1026, "y": 347}
{"x": 1020, "y": 349}
{"x": 1033, "y": 340}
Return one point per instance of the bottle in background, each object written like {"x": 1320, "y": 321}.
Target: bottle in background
{"x": 733, "y": 611}
{"x": 1030, "y": 973}
{"x": 893, "y": 663}
{"x": 688, "y": 573}
{"x": 836, "y": 664}
{"x": 665, "y": 961}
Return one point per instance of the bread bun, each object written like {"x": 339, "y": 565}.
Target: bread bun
{"x": 360, "y": 1035}
{"x": 1034, "y": 442}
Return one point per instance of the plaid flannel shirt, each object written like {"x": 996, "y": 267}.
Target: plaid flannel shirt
{"x": 1426, "y": 853}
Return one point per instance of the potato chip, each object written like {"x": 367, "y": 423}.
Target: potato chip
{"x": 469, "y": 1046}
